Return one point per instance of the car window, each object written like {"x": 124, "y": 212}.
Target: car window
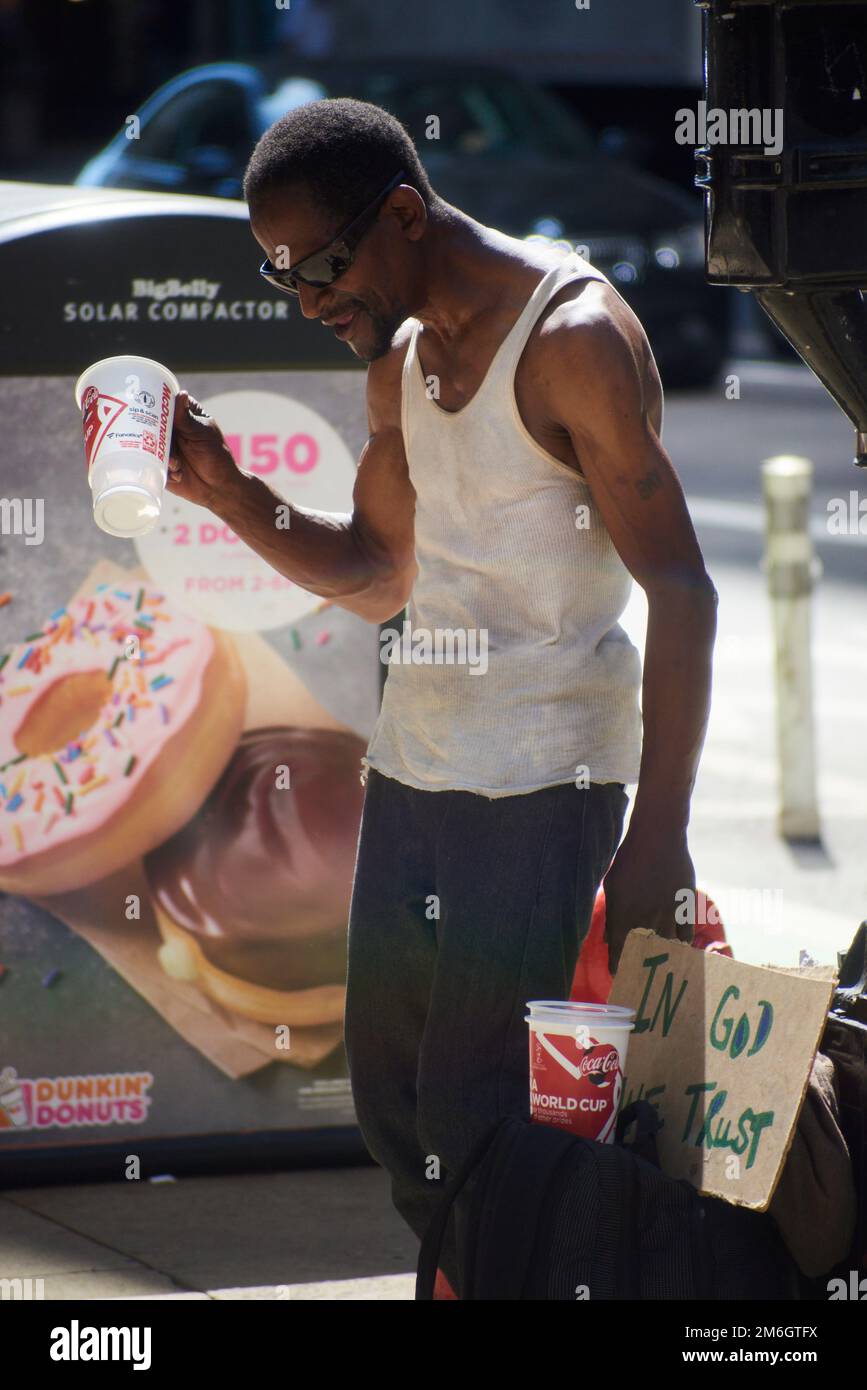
{"x": 480, "y": 116}
{"x": 468, "y": 124}
{"x": 212, "y": 113}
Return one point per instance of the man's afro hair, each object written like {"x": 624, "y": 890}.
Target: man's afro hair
{"x": 341, "y": 150}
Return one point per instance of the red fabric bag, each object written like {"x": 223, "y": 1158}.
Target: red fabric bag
{"x": 591, "y": 982}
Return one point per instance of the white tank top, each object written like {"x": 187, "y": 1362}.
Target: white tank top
{"x": 519, "y": 577}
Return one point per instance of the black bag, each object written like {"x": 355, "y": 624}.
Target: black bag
{"x": 845, "y": 1042}
{"x": 553, "y": 1216}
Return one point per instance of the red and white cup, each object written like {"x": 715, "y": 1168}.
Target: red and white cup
{"x": 127, "y": 408}
{"x": 13, "y": 1110}
{"x": 577, "y": 1065}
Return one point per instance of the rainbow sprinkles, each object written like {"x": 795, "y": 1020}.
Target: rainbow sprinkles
{"x": 153, "y": 686}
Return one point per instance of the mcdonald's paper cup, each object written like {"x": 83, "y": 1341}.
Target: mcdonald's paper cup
{"x": 127, "y": 407}
{"x": 577, "y": 1063}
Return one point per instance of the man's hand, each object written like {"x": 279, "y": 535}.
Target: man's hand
{"x": 640, "y": 889}
{"x": 201, "y": 466}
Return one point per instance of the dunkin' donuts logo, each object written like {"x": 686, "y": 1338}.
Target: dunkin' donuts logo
{"x": 47, "y": 1102}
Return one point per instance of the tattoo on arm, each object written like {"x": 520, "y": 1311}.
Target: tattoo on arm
{"x": 649, "y": 484}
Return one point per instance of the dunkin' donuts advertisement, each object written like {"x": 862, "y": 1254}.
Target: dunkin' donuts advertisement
{"x": 181, "y": 733}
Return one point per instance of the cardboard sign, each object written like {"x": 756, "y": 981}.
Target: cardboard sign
{"x": 723, "y": 1051}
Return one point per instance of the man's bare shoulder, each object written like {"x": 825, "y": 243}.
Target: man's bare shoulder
{"x": 587, "y": 327}
{"x": 384, "y": 381}
{"x": 590, "y": 314}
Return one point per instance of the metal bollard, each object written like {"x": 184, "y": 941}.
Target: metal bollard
{"x": 792, "y": 569}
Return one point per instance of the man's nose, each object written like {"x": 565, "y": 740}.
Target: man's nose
{"x": 310, "y": 300}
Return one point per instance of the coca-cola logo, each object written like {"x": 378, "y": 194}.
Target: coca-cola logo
{"x": 594, "y": 1062}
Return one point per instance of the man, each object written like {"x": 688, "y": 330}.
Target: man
{"x": 512, "y": 483}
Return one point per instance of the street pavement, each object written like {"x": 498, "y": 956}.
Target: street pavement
{"x": 332, "y": 1233}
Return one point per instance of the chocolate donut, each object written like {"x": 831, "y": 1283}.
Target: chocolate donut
{"x": 261, "y": 877}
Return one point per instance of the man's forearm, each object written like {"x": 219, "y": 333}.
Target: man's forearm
{"x": 319, "y": 551}
{"x": 681, "y": 628}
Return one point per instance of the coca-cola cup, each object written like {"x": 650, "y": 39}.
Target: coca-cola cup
{"x": 127, "y": 408}
{"x": 577, "y": 1064}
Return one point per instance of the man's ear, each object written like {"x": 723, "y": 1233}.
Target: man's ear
{"x": 408, "y": 207}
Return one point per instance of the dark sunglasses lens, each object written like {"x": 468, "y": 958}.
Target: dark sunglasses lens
{"x": 288, "y": 280}
{"x": 320, "y": 269}
{"x": 278, "y": 278}
{"x": 324, "y": 269}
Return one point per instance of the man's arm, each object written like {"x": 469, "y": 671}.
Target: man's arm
{"x": 364, "y": 560}
{"x": 601, "y": 372}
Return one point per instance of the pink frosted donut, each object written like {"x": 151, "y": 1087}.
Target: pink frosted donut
{"x": 108, "y": 744}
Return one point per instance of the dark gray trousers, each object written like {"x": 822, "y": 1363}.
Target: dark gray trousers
{"x": 464, "y": 907}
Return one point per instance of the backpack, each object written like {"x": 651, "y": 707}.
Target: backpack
{"x": 845, "y": 1042}
{"x": 549, "y": 1215}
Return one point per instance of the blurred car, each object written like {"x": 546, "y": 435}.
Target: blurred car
{"x": 508, "y": 153}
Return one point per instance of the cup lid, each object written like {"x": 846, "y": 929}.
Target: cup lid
{"x": 130, "y": 358}
{"x": 570, "y": 1007}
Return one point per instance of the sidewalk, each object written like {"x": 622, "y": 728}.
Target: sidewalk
{"x": 318, "y": 1234}
{"x": 777, "y": 899}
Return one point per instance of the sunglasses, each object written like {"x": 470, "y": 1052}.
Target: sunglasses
{"x": 323, "y": 267}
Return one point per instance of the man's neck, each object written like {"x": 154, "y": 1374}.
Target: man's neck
{"x": 465, "y": 266}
